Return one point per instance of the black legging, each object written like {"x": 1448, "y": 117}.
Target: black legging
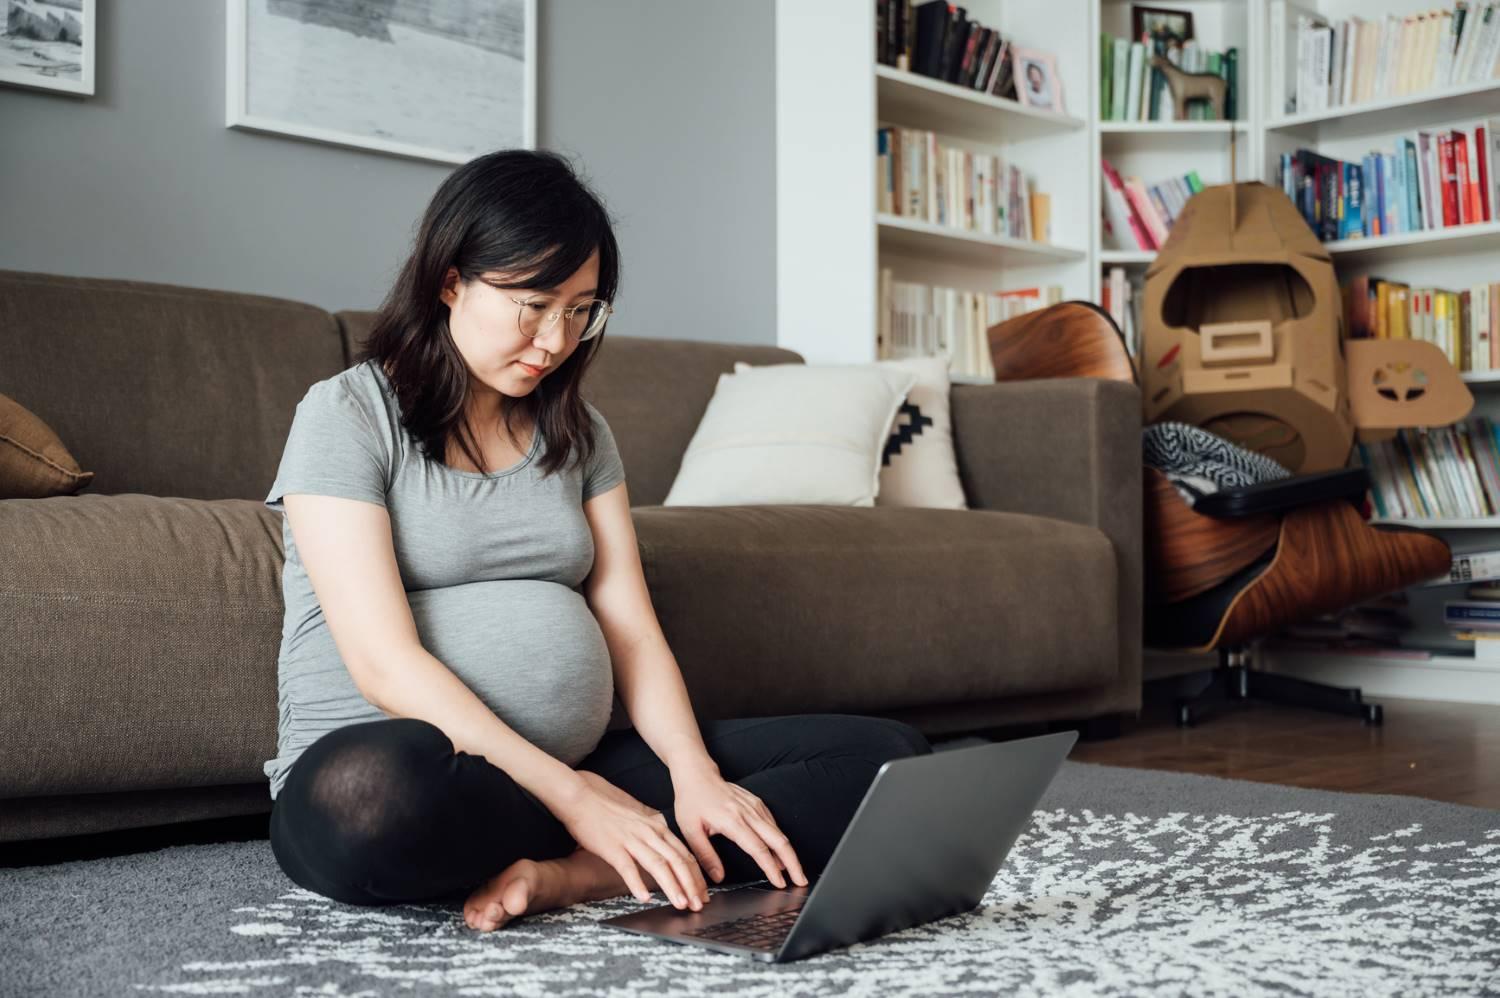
{"x": 387, "y": 811}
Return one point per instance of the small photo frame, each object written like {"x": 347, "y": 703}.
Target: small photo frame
{"x": 49, "y": 45}
{"x": 1037, "y": 82}
{"x": 1160, "y": 22}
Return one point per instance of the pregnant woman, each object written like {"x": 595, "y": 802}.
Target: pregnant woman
{"x": 465, "y": 605}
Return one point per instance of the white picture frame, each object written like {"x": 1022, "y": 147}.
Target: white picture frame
{"x": 241, "y": 63}
{"x": 18, "y": 58}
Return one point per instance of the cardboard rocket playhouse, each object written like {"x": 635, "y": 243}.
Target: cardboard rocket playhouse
{"x": 1243, "y": 335}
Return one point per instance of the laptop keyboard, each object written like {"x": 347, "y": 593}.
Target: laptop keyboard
{"x": 762, "y": 931}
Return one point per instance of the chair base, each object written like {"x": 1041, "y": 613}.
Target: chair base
{"x": 1213, "y": 691}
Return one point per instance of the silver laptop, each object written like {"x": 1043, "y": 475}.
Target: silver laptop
{"x": 925, "y": 843}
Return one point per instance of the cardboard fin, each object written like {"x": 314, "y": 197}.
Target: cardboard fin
{"x": 1399, "y": 383}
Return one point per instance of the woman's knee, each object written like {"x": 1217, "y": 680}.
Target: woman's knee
{"x": 892, "y": 739}
{"x": 356, "y": 795}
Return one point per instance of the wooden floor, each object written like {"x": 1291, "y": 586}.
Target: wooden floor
{"x": 1443, "y": 751}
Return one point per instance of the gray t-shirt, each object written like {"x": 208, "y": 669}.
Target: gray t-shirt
{"x": 492, "y": 568}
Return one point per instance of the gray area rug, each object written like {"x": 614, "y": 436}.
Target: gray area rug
{"x": 1127, "y": 883}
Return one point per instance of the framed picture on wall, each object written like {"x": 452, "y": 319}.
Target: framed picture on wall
{"x": 443, "y": 80}
{"x": 49, "y": 45}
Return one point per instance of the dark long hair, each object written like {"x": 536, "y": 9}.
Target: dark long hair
{"x": 522, "y": 212}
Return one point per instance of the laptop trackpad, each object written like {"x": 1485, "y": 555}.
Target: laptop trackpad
{"x": 722, "y": 907}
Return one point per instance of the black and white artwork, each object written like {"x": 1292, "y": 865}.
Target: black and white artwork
{"x": 48, "y": 44}
{"x": 444, "y": 80}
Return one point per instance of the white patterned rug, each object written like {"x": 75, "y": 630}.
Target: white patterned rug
{"x": 1127, "y": 883}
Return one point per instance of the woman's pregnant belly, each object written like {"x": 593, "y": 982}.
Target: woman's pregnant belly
{"x": 531, "y": 650}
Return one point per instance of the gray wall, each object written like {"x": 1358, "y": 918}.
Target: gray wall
{"x": 666, "y": 107}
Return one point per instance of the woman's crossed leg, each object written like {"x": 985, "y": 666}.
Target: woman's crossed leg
{"x": 386, "y": 811}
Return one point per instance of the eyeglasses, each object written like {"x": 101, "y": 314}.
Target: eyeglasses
{"x": 583, "y": 321}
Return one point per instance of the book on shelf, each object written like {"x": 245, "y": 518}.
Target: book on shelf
{"x": 1474, "y": 568}
{"x": 1427, "y": 180}
{"x": 1131, "y": 89}
{"x": 1464, "y": 324}
{"x": 920, "y": 320}
{"x": 920, "y": 177}
{"x": 1121, "y": 299}
{"x": 1318, "y": 64}
{"x": 1139, "y": 215}
{"x": 1486, "y": 643}
{"x": 1443, "y": 472}
{"x": 940, "y": 41}
{"x": 1476, "y": 619}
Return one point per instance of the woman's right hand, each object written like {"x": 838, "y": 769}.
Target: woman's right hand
{"x": 629, "y": 836}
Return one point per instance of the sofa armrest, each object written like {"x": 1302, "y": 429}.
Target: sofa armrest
{"x": 1067, "y": 448}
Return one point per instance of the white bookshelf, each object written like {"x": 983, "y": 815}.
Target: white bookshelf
{"x": 1403, "y": 113}
{"x": 908, "y": 235}
{"x": 832, "y": 96}
{"x": 1449, "y": 677}
{"x": 961, "y": 112}
{"x": 1453, "y": 258}
{"x": 831, "y": 99}
{"x": 1154, "y": 151}
{"x": 1146, "y": 128}
{"x": 1479, "y": 237}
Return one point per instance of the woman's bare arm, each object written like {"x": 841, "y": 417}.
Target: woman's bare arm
{"x": 346, "y": 548}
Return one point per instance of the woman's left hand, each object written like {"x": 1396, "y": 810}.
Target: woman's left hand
{"x": 706, "y": 804}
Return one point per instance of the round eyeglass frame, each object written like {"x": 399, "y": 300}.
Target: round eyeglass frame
{"x": 549, "y": 320}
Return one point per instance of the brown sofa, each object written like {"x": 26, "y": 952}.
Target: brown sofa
{"x": 140, "y": 621}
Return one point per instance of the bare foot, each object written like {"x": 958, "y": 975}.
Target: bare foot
{"x": 529, "y": 885}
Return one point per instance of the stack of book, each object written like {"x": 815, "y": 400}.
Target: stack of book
{"x": 926, "y": 179}
{"x": 938, "y": 40}
{"x": 1332, "y": 64}
{"x": 1138, "y": 215}
{"x": 1430, "y": 180}
{"x": 1445, "y": 472}
{"x": 1476, "y": 617}
{"x": 1131, "y": 89}
{"x": 918, "y": 320}
{"x": 1465, "y": 324}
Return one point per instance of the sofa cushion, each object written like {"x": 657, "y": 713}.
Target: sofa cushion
{"x": 772, "y": 609}
{"x": 142, "y": 633}
{"x": 34, "y": 464}
{"x": 792, "y": 434}
{"x": 160, "y": 389}
{"x": 141, "y": 637}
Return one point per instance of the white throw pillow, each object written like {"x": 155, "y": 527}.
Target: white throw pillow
{"x": 792, "y": 433}
{"x": 919, "y": 467}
